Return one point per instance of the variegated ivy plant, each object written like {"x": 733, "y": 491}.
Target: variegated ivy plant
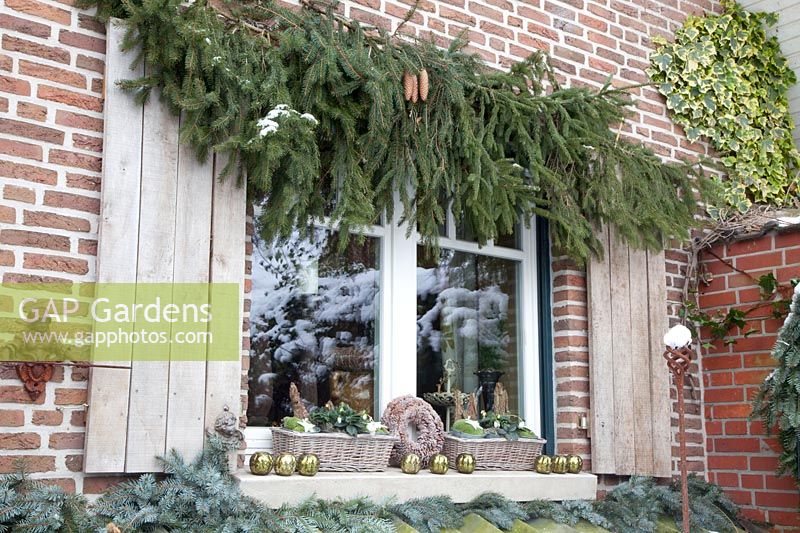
{"x": 726, "y": 80}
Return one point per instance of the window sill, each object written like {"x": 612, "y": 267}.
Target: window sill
{"x": 275, "y": 491}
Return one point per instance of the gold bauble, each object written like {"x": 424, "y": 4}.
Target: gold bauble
{"x": 308, "y": 465}
{"x": 439, "y": 464}
{"x": 560, "y": 464}
{"x": 411, "y": 463}
{"x": 574, "y": 464}
{"x": 285, "y": 464}
{"x": 543, "y": 464}
{"x": 260, "y": 463}
{"x": 465, "y": 463}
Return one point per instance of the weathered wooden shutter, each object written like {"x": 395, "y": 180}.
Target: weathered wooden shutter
{"x": 630, "y": 423}
{"x": 164, "y": 218}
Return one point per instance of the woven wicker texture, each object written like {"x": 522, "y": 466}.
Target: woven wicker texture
{"x": 495, "y": 454}
{"x": 337, "y": 452}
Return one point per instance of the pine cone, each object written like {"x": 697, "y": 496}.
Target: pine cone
{"x": 415, "y": 90}
{"x": 408, "y": 86}
{"x": 112, "y": 528}
{"x": 423, "y": 85}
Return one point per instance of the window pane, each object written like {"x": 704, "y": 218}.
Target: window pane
{"x": 313, "y": 322}
{"x": 467, "y": 312}
{"x": 510, "y": 240}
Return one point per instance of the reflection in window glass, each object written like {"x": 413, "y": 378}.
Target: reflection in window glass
{"x": 467, "y": 312}
{"x": 314, "y": 317}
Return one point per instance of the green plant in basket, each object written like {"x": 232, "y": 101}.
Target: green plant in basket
{"x": 301, "y": 425}
{"x": 467, "y": 428}
{"x": 345, "y": 419}
{"x": 510, "y": 427}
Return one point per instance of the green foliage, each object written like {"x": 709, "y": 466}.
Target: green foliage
{"x": 777, "y": 403}
{"x": 354, "y": 516}
{"x": 494, "y": 146}
{"x": 429, "y": 515}
{"x": 496, "y": 510}
{"x": 510, "y": 427}
{"x": 342, "y": 419}
{"x": 725, "y": 80}
{"x": 27, "y": 505}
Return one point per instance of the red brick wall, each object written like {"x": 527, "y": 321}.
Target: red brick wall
{"x": 740, "y": 457}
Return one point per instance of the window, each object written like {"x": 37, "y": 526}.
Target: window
{"x": 384, "y": 317}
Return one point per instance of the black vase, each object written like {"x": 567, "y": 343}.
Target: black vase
{"x": 487, "y": 381}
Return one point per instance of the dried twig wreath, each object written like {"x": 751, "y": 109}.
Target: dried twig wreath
{"x": 417, "y": 425}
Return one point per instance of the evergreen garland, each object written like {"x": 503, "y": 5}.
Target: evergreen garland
{"x": 777, "y": 403}
{"x": 202, "y": 496}
{"x": 313, "y": 107}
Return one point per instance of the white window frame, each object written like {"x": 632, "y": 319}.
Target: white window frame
{"x": 396, "y": 344}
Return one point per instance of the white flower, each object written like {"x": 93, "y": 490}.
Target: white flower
{"x": 339, "y": 420}
{"x": 522, "y": 425}
{"x": 307, "y": 426}
{"x": 473, "y": 423}
{"x": 208, "y": 40}
{"x": 678, "y": 337}
{"x": 372, "y": 427}
{"x": 309, "y": 117}
{"x": 496, "y": 423}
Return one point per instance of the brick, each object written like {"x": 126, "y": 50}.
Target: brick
{"x": 720, "y": 299}
{"x": 32, "y": 463}
{"x": 789, "y": 500}
{"x": 34, "y": 239}
{"x": 21, "y": 25}
{"x": 88, "y": 22}
{"x": 724, "y": 395}
{"x": 81, "y": 40}
{"x": 32, "y": 111}
{"x": 727, "y": 444}
{"x": 727, "y": 462}
{"x": 23, "y": 46}
{"x": 63, "y": 96}
{"x": 769, "y": 464}
{"x": 27, "y": 172}
{"x": 718, "y": 362}
{"x": 732, "y": 410}
{"x": 87, "y": 142}
{"x": 72, "y": 201}
{"x": 8, "y": 215}
{"x": 78, "y": 418}
{"x": 750, "y": 377}
{"x": 55, "y": 263}
{"x": 90, "y": 63}
{"x": 67, "y": 441}
{"x": 31, "y": 131}
{"x": 19, "y": 194}
{"x": 47, "y": 418}
{"x": 75, "y": 120}
{"x": 53, "y": 220}
{"x": 6, "y": 258}
{"x": 74, "y": 463}
{"x": 21, "y": 149}
{"x": 40, "y": 9}
{"x": 3, "y": 105}
{"x": 81, "y": 181}
{"x": 736, "y": 427}
{"x": 19, "y": 441}
{"x": 100, "y": 484}
{"x": 87, "y": 246}
{"x": 12, "y": 417}
{"x": 70, "y": 396}
{"x": 54, "y": 74}
{"x": 12, "y": 85}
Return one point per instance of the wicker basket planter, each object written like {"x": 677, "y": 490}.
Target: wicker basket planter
{"x": 495, "y": 454}
{"x": 337, "y": 452}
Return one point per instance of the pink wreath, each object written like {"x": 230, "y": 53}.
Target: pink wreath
{"x": 417, "y": 425}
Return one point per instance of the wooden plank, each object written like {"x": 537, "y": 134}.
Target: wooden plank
{"x": 601, "y": 370}
{"x": 228, "y": 212}
{"x": 659, "y": 375}
{"x": 640, "y": 362}
{"x": 147, "y": 412}
{"x": 187, "y": 379}
{"x": 107, "y": 415}
{"x": 624, "y": 453}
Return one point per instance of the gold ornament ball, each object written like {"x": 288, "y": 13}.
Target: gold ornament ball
{"x": 465, "y": 463}
{"x": 308, "y": 465}
{"x": 260, "y": 463}
{"x": 285, "y": 464}
{"x": 543, "y": 464}
{"x": 560, "y": 464}
{"x": 439, "y": 464}
{"x": 574, "y": 464}
{"x": 411, "y": 463}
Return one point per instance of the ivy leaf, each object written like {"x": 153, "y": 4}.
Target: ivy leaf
{"x": 662, "y": 61}
{"x": 768, "y": 284}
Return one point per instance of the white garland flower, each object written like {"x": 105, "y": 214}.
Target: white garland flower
{"x": 373, "y": 427}
{"x": 474, "y": 423}
{"x": 308, "y": 426}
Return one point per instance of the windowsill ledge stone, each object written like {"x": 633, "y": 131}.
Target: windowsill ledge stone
{"x": 275, "y": 490}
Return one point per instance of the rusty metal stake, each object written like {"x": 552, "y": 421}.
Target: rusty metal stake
{"x": 678, "y": 362}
